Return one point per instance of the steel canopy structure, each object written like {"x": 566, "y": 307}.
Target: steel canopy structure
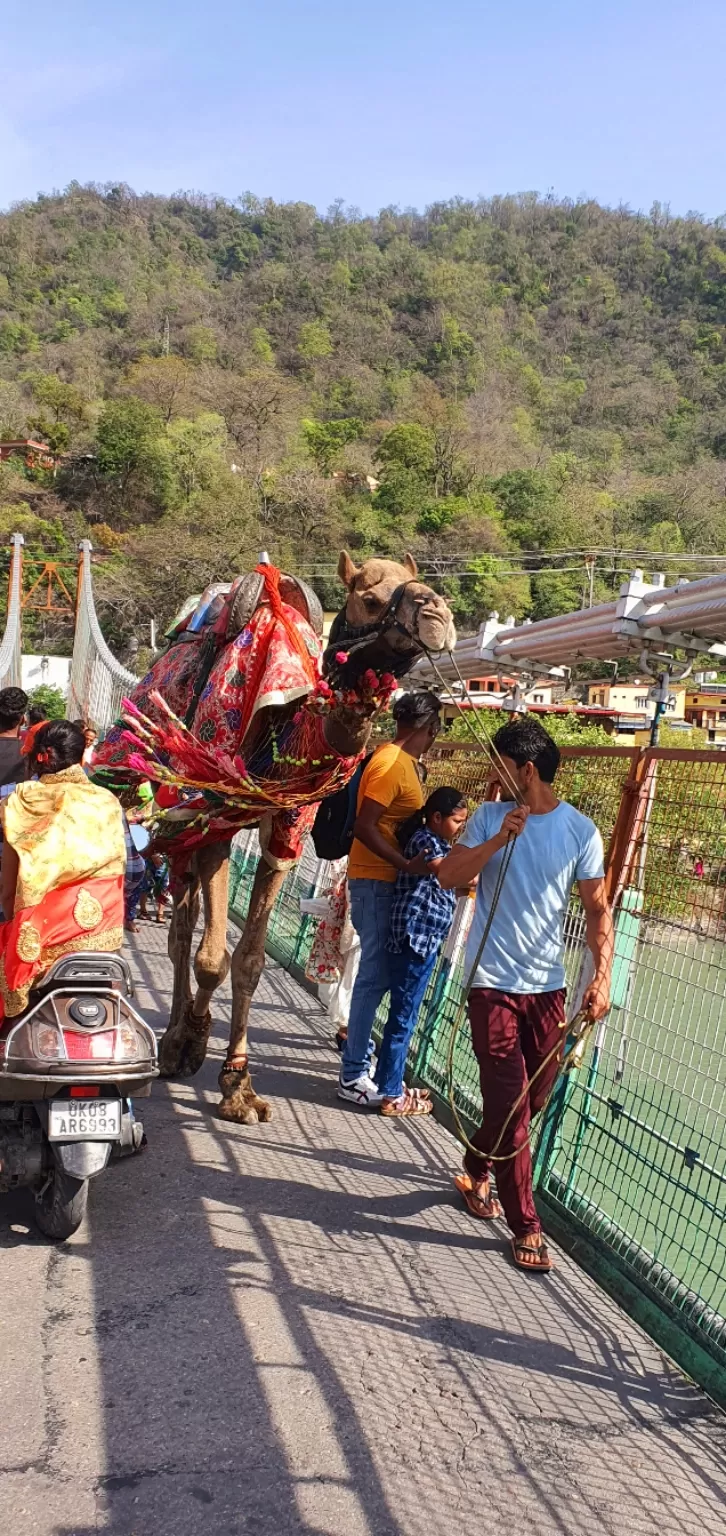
{"x": 648, "y": 620}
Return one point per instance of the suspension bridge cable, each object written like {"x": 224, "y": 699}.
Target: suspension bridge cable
{"x": 11, "y": 643}
{"x": 98, "y": 682}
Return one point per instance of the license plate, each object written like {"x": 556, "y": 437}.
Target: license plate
{"x": 84, "y": 1120}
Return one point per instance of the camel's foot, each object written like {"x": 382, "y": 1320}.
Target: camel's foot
{"x": 239, "y": 1101}
{"x": 183, "y": 1047}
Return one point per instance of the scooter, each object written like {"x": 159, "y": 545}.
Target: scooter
{"x": 69, "y": 1068}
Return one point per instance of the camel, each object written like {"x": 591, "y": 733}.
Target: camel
{"x": 299, "y": 741}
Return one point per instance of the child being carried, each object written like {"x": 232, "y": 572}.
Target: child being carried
{"x": 421, "y": 916}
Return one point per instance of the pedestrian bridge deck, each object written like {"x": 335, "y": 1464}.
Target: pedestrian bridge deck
{"x": 295, "y": 1328}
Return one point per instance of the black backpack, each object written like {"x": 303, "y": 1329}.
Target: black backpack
{"x": 332, "y": 832}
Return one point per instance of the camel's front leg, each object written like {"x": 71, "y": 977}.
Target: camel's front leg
{"x": 239, "y": 1100}
{"x": 185, "y": 911}
{"x": 184, "y": 1045}
{"x": 211, "y": 962}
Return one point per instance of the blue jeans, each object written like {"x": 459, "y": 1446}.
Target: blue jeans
{"x": 132, "y": 891}
{"x": 370, "y": 912}
{"x": 409, "y": 974}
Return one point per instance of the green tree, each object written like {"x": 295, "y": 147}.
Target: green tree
{"x": 63, "y": 402}
{"x": 216, "y": 532}
{"x": 465, "y": 513}
{"x": 409, "y": 446}
{"x": 52, "y": 700}
{"x": 165, "y": 383}
{"x": 196, "y": 459}
{"x": 487, "y": 587}
{"x": 261, "y": 344}
{"x": 45, "y": 536}
{"x": 566, "y": 730}
{"x": 325, "y": 440}
{"x": 314, "y": 341}
{"x": 238, "y": 253}
{"x": 126, "y": 429}
{"x": 17, "y": 338}
{"x": 132, "y": 459}
{"x": 55, "y": 433}
{"x": 113, "y": 305}
{"x": 523, "y": 495}
{"x": 453, "y": 358}
{"x": 201, "y": 344}
{"x": 406, "y": 457}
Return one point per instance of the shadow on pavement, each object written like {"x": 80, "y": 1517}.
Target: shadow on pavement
{"x": 297, "y": 1330}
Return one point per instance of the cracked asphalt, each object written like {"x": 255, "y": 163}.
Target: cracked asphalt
{"x": 295, "y": 1328}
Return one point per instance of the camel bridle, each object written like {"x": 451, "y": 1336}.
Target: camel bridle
{"x": 355, "y": 636}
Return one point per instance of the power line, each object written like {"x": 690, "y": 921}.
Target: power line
{"x": 447, "y": 565}
{"x": 541, "y": 571}
{"x": 588, "y": 553}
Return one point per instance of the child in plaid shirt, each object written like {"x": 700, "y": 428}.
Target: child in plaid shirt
{"x": 420, "y": 920}
{"x": 155, "y": 885}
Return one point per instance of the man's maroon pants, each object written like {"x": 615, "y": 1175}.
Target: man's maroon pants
{"x": 512, "y": 1034}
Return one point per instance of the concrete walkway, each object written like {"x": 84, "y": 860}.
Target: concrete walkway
{"x": 295, "y": 1328}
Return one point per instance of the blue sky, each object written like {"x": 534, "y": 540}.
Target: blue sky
{"x": 394, "y": 101}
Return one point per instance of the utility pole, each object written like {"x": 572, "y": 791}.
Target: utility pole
{"x": 661, "y": 694}
{"x": 590, "y": 567}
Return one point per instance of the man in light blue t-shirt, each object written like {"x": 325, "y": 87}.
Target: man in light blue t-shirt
{"x": 517, "y": 998}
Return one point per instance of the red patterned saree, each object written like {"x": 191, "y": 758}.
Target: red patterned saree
{"x": 68, "y": 836}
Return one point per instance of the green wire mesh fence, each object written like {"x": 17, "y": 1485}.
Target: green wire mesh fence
{"x": 632, "y": 1153}
{"x": 636, "y": 1144}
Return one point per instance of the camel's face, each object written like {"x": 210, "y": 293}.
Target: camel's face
{"x": 420, "y": 614}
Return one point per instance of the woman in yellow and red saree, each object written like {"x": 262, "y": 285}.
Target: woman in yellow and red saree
{"x": 63, "y": 864}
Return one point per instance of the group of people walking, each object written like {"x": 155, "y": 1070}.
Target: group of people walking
{"x": 73, "y": 874}
{"x": 410, "y": 855}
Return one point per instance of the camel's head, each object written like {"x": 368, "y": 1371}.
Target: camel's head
{"x": 390, "y": 617}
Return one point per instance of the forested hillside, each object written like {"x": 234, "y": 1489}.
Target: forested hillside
{"x": 485, "y": 384}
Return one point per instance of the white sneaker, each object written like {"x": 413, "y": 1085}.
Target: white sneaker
{"x": 362, "y": 1091}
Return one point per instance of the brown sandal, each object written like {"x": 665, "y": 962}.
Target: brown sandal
{"x": 543, "y": 1263}
{"x": 485, "y": 1208}
{"x": 413, "y": 1101}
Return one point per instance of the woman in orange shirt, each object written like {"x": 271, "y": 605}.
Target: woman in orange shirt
{"x": 390, "y": 791}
